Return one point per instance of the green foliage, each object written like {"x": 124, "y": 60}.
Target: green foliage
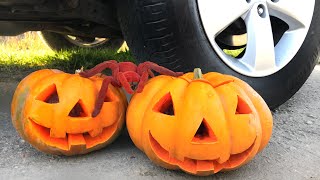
{"x": 18, "y": 57}
{"x": 234, "y": 53}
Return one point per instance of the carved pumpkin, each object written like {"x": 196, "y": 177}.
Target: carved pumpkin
{"x": 200, "y": 125}
{"x": 52, "y": 111}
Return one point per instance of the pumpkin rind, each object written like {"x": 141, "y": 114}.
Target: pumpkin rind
{"x": 47, "y": 125}
{"x": 231, "y": 138}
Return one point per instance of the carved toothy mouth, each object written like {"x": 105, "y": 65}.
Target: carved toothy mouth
{"x": 71, "y": 141}
{"x": 80, "y": 140}
{"x": 194, "y": 165}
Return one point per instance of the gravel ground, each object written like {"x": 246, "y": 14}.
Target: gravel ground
{"x": 293, "y": 153}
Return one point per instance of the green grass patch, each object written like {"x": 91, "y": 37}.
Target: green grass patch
{"x": 68, "y": 60}
{"x": 234, "y": 53}
{"x": 19, "y": 57}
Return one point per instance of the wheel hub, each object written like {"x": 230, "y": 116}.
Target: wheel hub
{"x": 86, "y": 42}
{"x": 263, "y": 57}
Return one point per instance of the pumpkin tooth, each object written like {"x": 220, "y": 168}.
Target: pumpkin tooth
{"x": 76, "y": 142}
{"x": 203, "y": 165}
{"x": 95, "y": 132}
{"x": 189, "y": 165}
{"x": 217, "y": 166}
{"x": 57, "y": 133}
{"x": 177, "y": 156}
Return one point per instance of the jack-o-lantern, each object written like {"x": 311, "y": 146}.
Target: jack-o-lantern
{"x": 52, "y": 111}
{"x": 200, "y": 125}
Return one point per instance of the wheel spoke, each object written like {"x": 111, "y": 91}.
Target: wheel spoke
{"x": 296, "y": 13}
{"x": 260, "y": 53}
{"x": 218, "y": 15}
{"x": 262, "y": 57}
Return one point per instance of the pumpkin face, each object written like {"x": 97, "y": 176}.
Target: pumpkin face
{"x": 200, "y": 126}
{"x": 52, "y": 110}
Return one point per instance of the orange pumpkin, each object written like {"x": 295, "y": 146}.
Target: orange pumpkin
{"x": 200, "y": 125}
{"x": 52, "y": 111}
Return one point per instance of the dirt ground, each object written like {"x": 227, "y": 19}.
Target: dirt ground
{"x": 293, "y": 152}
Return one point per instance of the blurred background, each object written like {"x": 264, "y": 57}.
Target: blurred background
{"x": 20, "y": 55}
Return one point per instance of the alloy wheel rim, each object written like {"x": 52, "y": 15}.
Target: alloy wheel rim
{"x": 86, "y": 44}
{"x": 262, "y": 57}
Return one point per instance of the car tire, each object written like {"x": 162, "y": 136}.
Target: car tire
{"x": 170, "y": 33}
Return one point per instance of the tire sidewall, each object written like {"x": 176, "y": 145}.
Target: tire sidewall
{"x": 190, "y": 47}
{"x": 281, "y": 85}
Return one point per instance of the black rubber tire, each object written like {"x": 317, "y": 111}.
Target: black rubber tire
{"x": 169, "y": 32}
{"x": 58, "y": 42}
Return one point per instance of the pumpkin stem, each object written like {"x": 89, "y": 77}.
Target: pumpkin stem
{"x": 78, "y": 71}
{"x": 197, "y": 73}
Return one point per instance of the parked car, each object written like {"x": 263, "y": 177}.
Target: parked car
{"x": 277, "y": 41}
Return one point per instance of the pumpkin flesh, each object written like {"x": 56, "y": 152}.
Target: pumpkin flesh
{"x": 56, "y": 113}
{"x": 214, "y": 124}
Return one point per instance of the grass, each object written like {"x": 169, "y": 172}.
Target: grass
{"x": 24, "y": 54}
{"x": 234, "y": 53}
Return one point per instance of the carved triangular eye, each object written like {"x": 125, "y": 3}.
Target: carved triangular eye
{"x": 204, "y": 134}
{"x": 243, "y": 107}
{"x": 165, "y": 105}
{"x": 110, "y": 97}
{"x": 49, "y": 95}
{"x": 78, "y": 110}
{"x": 107, "y": 99}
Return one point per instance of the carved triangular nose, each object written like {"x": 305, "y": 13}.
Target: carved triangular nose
{"x": 78, "y": 110}
{"x": 204, "y": 134}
